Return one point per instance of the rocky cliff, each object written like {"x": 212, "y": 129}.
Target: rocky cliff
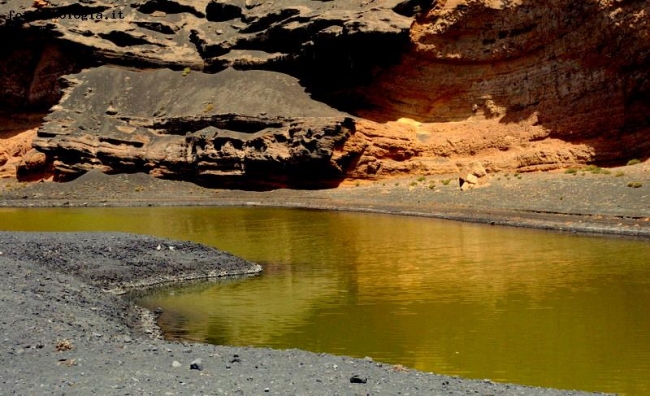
{"x": 301, "y": 93}
{"x": 253, "y": 128}
{"x": 523, "y": 84}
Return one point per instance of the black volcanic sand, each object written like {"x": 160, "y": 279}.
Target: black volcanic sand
{"x": 55, "y": 293}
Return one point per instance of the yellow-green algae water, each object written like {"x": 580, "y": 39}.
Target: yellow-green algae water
{"x": 513, "y": 305}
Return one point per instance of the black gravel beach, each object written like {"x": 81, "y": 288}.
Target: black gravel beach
{"x": 68, "y": 330}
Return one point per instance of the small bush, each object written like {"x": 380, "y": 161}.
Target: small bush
{"x": 597, "y": 170}
{"x": 421, "y": 179}
{"x": 446, "y": 182}
{"x": 413, "y": 184}
{"x": 633, "y": 162}
{"x": 619, "y": 174}
{"x": 635, "y": 184}
{"x": 571, "y": 171}
{"x": 431, "y": 186}
{"x": 186, "y": 71}
{"x": 63, "y": 345}
{"x": 357, "y": 184}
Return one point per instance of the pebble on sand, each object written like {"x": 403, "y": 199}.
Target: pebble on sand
{"x": 356, "y": 379}
{"x": 196, "y": 365}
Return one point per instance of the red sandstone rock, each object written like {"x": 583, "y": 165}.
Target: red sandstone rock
{"x": 32, "y": 164}
{"x": 528, "y": 85}
{"x": 15, "y": 141}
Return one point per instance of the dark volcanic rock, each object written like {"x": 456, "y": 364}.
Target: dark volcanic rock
{"x": 253, "y": 127}
{"x": 323, "y": 41}
{"x": 257, "y": 127}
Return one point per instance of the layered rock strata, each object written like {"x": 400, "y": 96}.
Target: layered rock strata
{"x": 232, "y": 126}
{"x": 410, "y": 87}
{"x": 237, "y": 133}
{"x": 524, "y": 84}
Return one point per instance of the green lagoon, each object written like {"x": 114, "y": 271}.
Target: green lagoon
{"x": 512, "y": 305}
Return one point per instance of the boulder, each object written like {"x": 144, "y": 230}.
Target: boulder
{"x": 467, "y": 179}
{"x": 33, "y": 160}
{"x": 477, "y": 169}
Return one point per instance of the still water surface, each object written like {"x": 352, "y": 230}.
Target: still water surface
{"x": 514, "y": 305}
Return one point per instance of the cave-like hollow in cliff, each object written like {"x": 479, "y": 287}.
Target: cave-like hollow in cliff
{"x": 527, "y": 85}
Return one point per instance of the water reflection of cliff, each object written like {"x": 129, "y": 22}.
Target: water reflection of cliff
{"x": 296, "y": 251}
{"x": 254, "y": 313}
{"x": 455, "y": 298}
{"x": 509, "y": 304}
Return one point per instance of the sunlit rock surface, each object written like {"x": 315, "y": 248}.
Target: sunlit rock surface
{"x": 370, "y": 88}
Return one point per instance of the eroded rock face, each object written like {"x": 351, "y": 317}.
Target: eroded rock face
{"x": 16, "y": 134}
{"x": 432, "y": 86}
{"x": 571, "y": 77}
{"x": 185, "y": 124}
{"x": 253, "y": 127}
{"x": 326, "y": 42}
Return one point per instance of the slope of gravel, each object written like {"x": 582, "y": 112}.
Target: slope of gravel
{"x": 64, "y": 333}
{"x": 119, "y": 261}
{"x": 581, "y": 202}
